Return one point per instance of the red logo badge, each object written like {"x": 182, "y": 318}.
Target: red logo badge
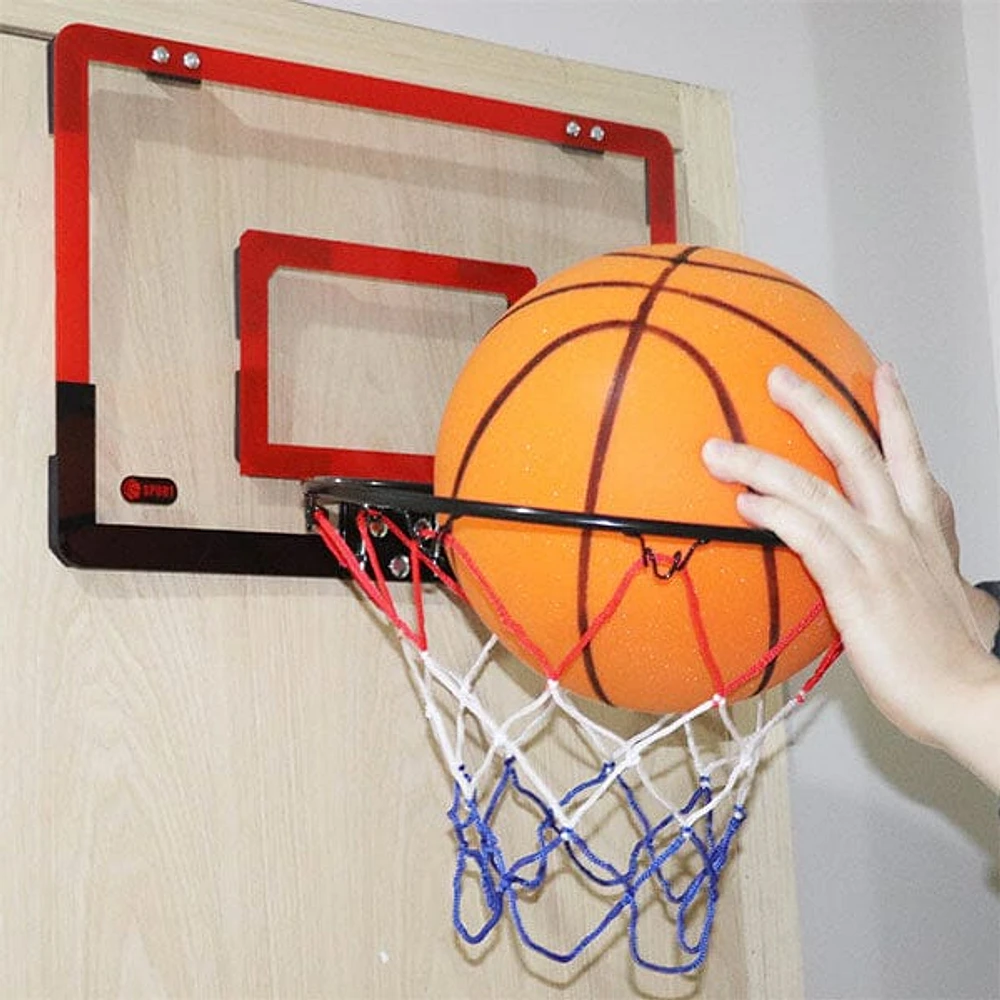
{"x": 148, "y": 489}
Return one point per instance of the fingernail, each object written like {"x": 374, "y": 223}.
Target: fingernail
{"x": 783, "y": 378}
{"x": 714, "y": 450}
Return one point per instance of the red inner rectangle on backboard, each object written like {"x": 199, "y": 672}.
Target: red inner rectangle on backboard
{"x": 261, "y": 254}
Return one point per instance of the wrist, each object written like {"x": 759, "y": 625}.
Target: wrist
{"x": 984, "y": 600}
{"x": 967, "y": 720}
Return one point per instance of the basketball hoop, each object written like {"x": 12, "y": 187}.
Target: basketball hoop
{"x": 648, "y": 821}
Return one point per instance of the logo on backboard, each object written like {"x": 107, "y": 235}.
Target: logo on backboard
{"x": 148, "y": 489}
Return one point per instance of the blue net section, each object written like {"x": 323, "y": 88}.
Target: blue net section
{"x": 508, "y": 877}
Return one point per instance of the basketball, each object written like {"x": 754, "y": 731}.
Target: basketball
{"x": 595, "y": 393}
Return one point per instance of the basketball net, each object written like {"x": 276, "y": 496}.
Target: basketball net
{"x": 647, "y": 824}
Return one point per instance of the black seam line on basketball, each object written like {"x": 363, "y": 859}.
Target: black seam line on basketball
{"x": 791, "y": 342}
{"x": 637, "y": 327}
{"x": 529, "y": 299}
{"x": 612, "y": 403}
{"x": 773, "y": 614}
{"x": 722, "y": 396}
{"x": 525, "y": 302}
{"x": 726, "y": 268}
{"x": 733, "y": 424}
{"x": 736, "y": 433}
{"x": 514, "y": 381}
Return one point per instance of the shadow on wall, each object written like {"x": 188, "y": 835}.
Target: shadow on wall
{"x": 901, "y": 912}
{"x": 927, "y": 778}
{"x": 896, "y": 858}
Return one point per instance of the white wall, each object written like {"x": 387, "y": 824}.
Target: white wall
{"x": 867, "y": 138}
{"x": 982, "y": 48}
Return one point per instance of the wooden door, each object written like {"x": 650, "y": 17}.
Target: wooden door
{"x": 222, "y": 785}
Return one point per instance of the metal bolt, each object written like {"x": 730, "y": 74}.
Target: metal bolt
{"x": 160, "y": 55}
{"x": 192, "y": 60}
{"x": 399, "y": 566}
{"x": 377, "y": 527}
{"x": 573, "y": 129}
{"x": 422, "y": 526}
{"x": 597, "y": 133}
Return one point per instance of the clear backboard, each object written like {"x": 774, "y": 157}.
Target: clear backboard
{"x": 269, "y": 272}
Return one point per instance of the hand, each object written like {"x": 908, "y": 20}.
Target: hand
{"x": 884, "y": 554}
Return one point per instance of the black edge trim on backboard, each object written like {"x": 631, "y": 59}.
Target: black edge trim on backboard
{"x": 60, "y": 528}
{"x": 236, "y": 380}
{"x": 236, "y": 415}
{"x": 236, "y": 289}
{"x": 50, "y": 84}
{"x": 584, "y": 150}
{"x": 78, "y": 540}
{"x": 173, "y": 78}
{"x": 194, "y": 550}
{"x": 649, "y": 212}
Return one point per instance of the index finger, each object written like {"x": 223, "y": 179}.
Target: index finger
{"x": 855, "y": 456}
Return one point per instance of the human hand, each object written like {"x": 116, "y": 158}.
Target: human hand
{"x": 884, "y": 554}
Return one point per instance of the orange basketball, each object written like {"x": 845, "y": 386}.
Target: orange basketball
{"x": 595, "y": 392}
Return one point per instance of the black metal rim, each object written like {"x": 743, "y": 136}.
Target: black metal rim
{"x": 417, "y": 499}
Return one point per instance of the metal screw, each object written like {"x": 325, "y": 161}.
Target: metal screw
{"x": 192, "y": 60}
{"x": 573, "y": 129}
{"x": 399, "y": 566}
{"x": 377, "y": 527}
{"x": 161, "y": 55}
{"x": 597, "y": 133}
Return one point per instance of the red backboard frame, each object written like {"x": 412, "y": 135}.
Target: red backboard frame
{"x": 76, "y": 534}
{"x": 79, "y": 45}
